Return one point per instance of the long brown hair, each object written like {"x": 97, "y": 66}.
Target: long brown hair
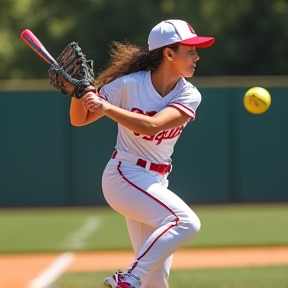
{"x": 126, "y": 59}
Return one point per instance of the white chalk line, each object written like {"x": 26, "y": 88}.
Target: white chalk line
{"x": 50, "y": 274}
{"x": 78, "y": 238}
{"x": 74, "y": 241}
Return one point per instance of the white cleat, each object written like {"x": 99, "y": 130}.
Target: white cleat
{"x": 122, "y": 280}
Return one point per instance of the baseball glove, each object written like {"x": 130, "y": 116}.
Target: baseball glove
{"x": 73, "y": 73}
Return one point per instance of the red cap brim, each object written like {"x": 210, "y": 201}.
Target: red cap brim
{"x": 198, "y": 41}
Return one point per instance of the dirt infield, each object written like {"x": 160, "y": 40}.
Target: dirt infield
{"x": 16, "y": 271}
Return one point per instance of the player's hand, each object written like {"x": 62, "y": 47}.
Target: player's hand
{"x": 90, "y": 89}
{"x": 93, "y": 102}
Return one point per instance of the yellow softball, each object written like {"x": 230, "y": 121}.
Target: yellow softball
{"x": 257, "y": 100}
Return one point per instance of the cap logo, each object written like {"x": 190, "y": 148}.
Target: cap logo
{"x": 190, "y": 28}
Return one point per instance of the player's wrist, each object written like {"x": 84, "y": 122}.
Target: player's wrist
{"x": 105, "y": 106}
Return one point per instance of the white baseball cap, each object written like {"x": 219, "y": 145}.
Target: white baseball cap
{"x": 176, "y": 31}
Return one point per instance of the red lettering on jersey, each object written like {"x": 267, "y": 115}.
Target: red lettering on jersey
{"x": 137, "y": 110}
{"x": 151, "y": 113}
{"x": 168, "y": 134}
{"x": 160, "y": 136}
{"x": 163, "y": 135}
{"x": 149, "y": 138}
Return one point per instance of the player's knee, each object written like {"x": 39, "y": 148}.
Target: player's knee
{"x": 192, "y": 224}
{"x": 196, "y": 224}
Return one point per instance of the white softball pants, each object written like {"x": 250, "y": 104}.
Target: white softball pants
{"x": 158, "y": 221}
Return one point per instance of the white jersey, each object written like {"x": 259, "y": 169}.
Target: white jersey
{"x": 135, "y": 92}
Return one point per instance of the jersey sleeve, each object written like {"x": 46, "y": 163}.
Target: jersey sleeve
{"x": 187, "y": 101}
{"x": 112, "y": 91}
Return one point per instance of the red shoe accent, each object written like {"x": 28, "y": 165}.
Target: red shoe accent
{"x": 123, "y": 280}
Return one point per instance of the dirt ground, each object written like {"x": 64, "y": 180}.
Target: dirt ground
{"x": 17, "y": 270}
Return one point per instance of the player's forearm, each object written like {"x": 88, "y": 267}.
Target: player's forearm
{"x": 79, "y": 115}
{"x": 135, "y": 122}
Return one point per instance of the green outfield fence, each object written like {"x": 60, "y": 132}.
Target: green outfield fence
{"x": 226, "y": 155}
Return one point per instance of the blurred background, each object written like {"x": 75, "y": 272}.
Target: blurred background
{"x": 226, "y": 156}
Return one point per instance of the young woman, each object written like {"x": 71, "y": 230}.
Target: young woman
{"x": 145, "y": 92}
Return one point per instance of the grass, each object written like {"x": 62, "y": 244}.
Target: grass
{"x": 250, "y": 277}
{"x": 46, "y": 230}
{"x": 242, "y": 225}
{"x": 52, "y": 230}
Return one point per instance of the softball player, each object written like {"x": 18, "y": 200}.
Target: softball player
{"x": 145, "y": 92}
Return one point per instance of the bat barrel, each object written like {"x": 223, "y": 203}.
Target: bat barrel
{"x": 33, "y": 42}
